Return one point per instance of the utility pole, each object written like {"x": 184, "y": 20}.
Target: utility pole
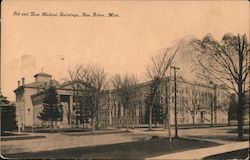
{"x": 215, "y": 104}
{"x": 175, "y": 102}
{"x": 168, "y": 120}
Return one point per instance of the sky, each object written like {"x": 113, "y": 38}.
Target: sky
{"x": 121, "y": 44}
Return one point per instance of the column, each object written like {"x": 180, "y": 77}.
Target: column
{"x": 110, "y": 109}
{"x": 70, "y": 109}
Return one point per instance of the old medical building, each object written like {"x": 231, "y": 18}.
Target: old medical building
{"x": 66, "y": 93}
{"x": 24, "y": 106}
{"x": 210, "y": 103}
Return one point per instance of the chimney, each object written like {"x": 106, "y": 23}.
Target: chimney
{"x": 18, "y": 84}
{"x": 23, "y": 81}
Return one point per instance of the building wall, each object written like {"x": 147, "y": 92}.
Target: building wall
{"x": 204, "y": 98}
{"x": 38, "y": 107}
{"x": 19, "y": 108}
{"x": 108, "y": 114}
{"x": 28, "y": 106}
{"x": 43, "y": 79}
{"x": 24, "y": 107}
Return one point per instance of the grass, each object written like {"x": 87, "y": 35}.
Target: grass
{"x": 94, "y": 133}
{"x": 245, "y": 131}
{"x": 21, "y": 138}
{"x": 221, "y": 137}
{"x": 240, "y": 154}
{"x": 128, "y": 150}
{"x": 11, "y": 134}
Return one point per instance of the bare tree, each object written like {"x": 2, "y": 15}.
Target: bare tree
{"x": 225, "y": 107}
{"x": 227, "y": 62}
{"x": 156, "y": 74}
{"x": 117, "y": 96}
{"x": 90, "y": 82}
{"x": 96, "y": 77}
{"x": 192, "y": 102}
{"x": 134, "y": 101}
{"x": 76, "y": 81}
{"x": 126, "y": 94}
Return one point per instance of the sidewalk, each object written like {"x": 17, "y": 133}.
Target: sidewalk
{"x": 205, "y": 152}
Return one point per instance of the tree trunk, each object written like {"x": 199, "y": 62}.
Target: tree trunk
{"x": 133, "y": 125}
{"x": 56, "y": 124}
{"x": 212, "y": 114}
{"x": 118, "y": 123}
{"x": 193, "y": 118}
{"x": 240, "y": 114}
{"x": 228, "y": 119}
{"x": 165, "y": 124}
{"x": 51, "y": 126}
{"x": 150, "y": 119}
{"x": 169, "y": 129}
{"x": 119, "y": 116}
{"x": 97, "y": 120}
{"x": 93, "y": 124}
{"x": 127, "y": 123}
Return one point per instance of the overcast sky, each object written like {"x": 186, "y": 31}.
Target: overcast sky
{"x": 121, "y": 44}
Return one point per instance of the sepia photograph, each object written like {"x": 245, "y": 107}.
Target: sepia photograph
{"x": 115, "y": 79}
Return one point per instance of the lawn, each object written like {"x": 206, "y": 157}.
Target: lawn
{"x": 127, "y": 150}
{"x": 240, "y": 154}
{"x": 13, "y": 138}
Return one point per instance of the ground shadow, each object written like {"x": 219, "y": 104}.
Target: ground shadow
{"x": 128, "y": 150}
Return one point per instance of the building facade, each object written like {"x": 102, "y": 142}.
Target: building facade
{"x": 24, "y": 106}
{"x": 196, "y": 103}
{"x": 70, "y": 99}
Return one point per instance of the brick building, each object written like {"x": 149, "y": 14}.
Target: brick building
{"x": 210, "y": 103}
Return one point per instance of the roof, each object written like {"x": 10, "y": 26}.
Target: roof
{"x": 37, "y": 84}
{"x": 43, "y": 74}
{"x": 69, "y": 83}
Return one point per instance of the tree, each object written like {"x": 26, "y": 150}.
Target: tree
{"x": 89, "y": 83}
{"x": 96, "y": 78}
{"x": 227, "y": 62}
{"x": 157, "y": 72}
{"x": 8, "y": 115}
{"x": 129, "y": 97}
{"x": 157, "y": 112}
{"x": 52, "y": 109}
{"x": 76, "y": 77}
{"x": 225, "y": 108}
{"x": 126, "y": 95}
{"x": 117, "y": 96}
{"x": 192, "y": 103}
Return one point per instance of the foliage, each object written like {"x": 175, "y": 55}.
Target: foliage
{"x": 8, "y": 118}
{"x": 82, "y": 110}
{"x": 52, "y": 109}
